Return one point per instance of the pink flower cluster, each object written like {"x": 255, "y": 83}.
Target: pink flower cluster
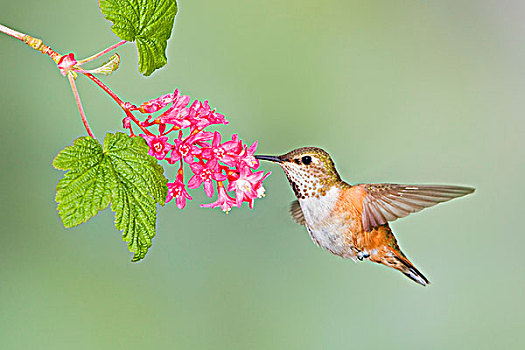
{"x": 211, "y": 161}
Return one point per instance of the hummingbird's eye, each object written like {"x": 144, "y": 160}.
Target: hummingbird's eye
{"x": 306, "y": 160}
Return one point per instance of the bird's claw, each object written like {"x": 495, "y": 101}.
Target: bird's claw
{"x": 363, "y": 255}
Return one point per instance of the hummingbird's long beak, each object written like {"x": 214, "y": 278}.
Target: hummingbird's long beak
{"x": 270, "y": 158}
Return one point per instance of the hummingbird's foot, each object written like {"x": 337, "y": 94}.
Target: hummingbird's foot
{"x": 363, "y": 255}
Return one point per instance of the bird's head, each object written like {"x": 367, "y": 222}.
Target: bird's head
{"x": 310, "y": 170}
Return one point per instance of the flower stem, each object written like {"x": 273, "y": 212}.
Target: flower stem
{"x": 103, "y": 52}
{"x": 35, "y": 43}
{"x": 79, "y": 104}
{"x": 12, "y": 32}
{"x": 116, "y": 98}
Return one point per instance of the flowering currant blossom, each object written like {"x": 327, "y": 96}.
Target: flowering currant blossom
{"x": 183, "y": 148}
{"x": 205, "y": 174}
{"x": 157, "y": 104}
{"x": 177, "y": 190}
{"x": 158, "y": 145}
{"x": 248, "y": 158}
{"x": 228, "y": 152}
{"x": 224, "y": 201}
{"x": 248, "y": 185}
{"x": 179, "y": 105}
{"x": 175, "y": 131}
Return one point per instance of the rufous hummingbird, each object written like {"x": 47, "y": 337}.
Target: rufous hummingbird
{"x": 351, "y": 221}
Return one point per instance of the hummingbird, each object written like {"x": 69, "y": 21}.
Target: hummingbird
{"x": 351, "y": 221}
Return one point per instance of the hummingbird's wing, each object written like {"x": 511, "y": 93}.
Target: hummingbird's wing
{"x": 387, "y": 202}
{"x": 297, "y": 213}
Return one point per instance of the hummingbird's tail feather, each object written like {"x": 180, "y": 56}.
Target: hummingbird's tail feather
{"x": 383, "y": 249}
{"x": 411, "y": 272}
{"x": 396, "y": 259}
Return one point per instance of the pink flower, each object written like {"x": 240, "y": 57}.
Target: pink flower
{"x": 126, "y": 123}
{"x": 158, "y": 145}
{"x": 213, "y": 117}
{"x": 248, "y": 186}
{"x": 211, "y": 160}
{"x": 67, "y": 63}
{"x": 227, "y": 153}
{"x": 130, "y": 106}
{"x": 248, "y": 158}
{"x": 200, "y": 115}
{"x": 177, "y": 190}
{"x": 184, "y": 148}
{"x": 205, "y": 174}
{"x": 175, "y": 117}
{"x": 177, "y": 113}
{"x": 196, "y": 117}
{"x": 177, "y": 120}
{"x": 179, "y": 101}
{"x": 202, "y": 137}
{"x": 224, "y": 201}
{"x": 156, "y": 104}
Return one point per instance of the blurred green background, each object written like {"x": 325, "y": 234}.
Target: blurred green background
{"x": 396, "y": 91}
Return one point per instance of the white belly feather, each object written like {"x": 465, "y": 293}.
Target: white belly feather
{"x": 325, "y": 229}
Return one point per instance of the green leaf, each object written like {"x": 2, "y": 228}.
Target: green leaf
{"x": 148, "y": 22}
{"x": 120, "y": 172}
{"x": 137, "y": 184}
{"x": 84, "y": 190}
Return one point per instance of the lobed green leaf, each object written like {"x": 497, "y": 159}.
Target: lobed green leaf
{"x": 120, "y": 172}
{"x": 85, "y": 152}
{"x": 138, "y": 184}
{"x": 148, "y": 22}
{"x": 84, "y": 190}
